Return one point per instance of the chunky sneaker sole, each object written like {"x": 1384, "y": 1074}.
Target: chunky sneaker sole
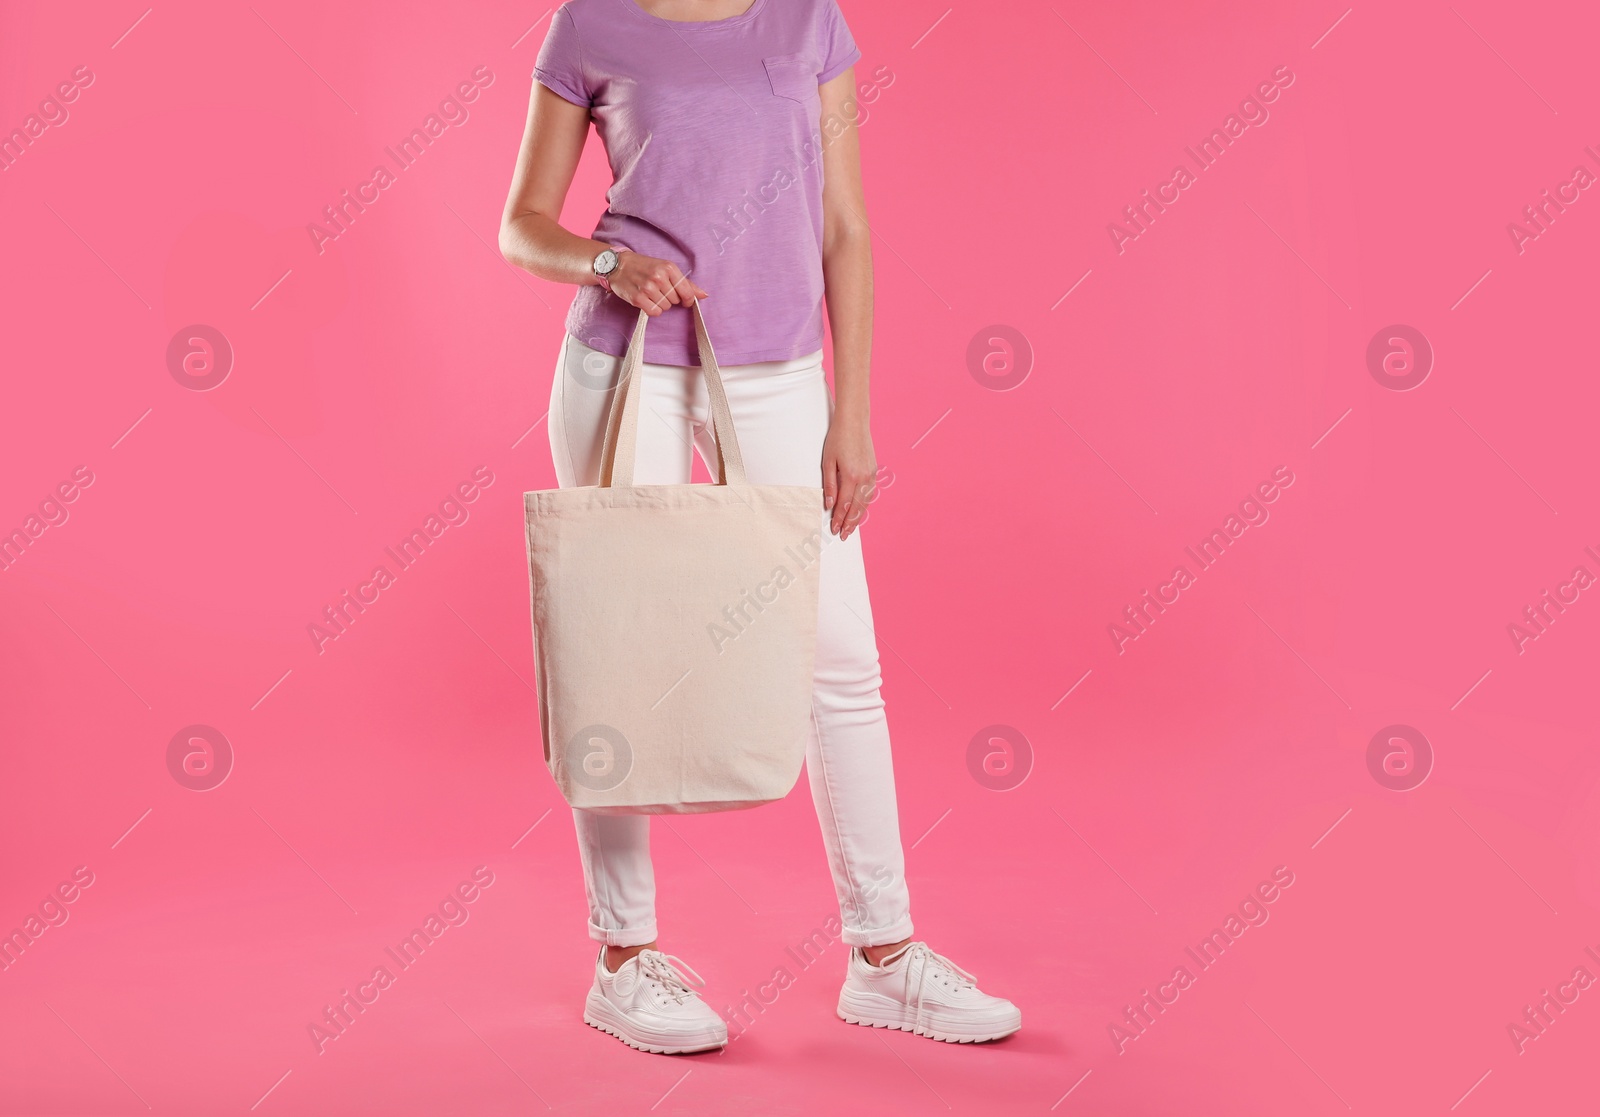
{"x": 599, "y": 1013}
{"x": 872, "y": 1011}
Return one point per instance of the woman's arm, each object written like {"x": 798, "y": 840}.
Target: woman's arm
{"x": 531, "y": 235}
{"x": 849, "y": 467}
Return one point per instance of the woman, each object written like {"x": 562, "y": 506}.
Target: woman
{"x": 728, "y": 188}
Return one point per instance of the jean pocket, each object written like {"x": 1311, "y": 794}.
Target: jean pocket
{"x": 792, "y": 76}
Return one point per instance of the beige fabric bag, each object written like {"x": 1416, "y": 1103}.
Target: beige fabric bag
{"x": 674, "y": 625}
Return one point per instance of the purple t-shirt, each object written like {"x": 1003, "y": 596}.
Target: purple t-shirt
{"x": 715, "y": 146}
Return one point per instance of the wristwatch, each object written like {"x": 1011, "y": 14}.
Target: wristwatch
{"x": 604, "y": 265}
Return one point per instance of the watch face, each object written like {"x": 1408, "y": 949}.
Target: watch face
{"x": 605, "y": 263}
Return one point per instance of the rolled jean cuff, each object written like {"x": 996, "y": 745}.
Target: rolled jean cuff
{"x": 901, "y": 929}
{"x": 627, "y": 936}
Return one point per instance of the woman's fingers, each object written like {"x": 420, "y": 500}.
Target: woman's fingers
{"x": 850, "y": 505}
{"x": 655, "y": 297}
{"x": 846, "y": 492}
{"x": 686, "y": 290}
{"x": 843, "y": 503}
{"x": 852, "y": 517}
{"x": 665, "y": 280}
{"x": 654, "y": 284}
{"x": 689, "y": 291}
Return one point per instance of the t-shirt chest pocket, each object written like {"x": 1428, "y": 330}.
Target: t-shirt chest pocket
{"x": 792, "y": 76}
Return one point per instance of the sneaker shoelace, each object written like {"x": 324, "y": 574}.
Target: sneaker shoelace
{"x": 671, "y": 973}
{"x": 927, "y": 958}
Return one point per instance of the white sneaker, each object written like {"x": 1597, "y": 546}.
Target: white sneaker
{"x": 916, "y": 990}
{"x": 650, "y": 1003}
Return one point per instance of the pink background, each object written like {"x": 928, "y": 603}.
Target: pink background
{"x": 1228, "y": 340}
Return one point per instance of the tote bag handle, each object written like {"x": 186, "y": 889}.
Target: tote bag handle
{"x": 622, "y": 425}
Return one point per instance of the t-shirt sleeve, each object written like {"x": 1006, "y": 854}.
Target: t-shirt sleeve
{"x": 839, "y": 51}
{"x": 560, "y": 63}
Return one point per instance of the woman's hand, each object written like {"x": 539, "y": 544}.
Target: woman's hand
{"x": 652, "y": 285}
{"x": 849, "y": 472}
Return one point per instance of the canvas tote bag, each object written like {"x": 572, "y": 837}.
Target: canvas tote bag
{"x": 674, "y": 625}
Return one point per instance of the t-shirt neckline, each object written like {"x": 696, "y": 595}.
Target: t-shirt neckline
{"x": 699, "y": 24}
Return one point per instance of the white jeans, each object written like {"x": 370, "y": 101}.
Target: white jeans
{"x": 781, "y": 410}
